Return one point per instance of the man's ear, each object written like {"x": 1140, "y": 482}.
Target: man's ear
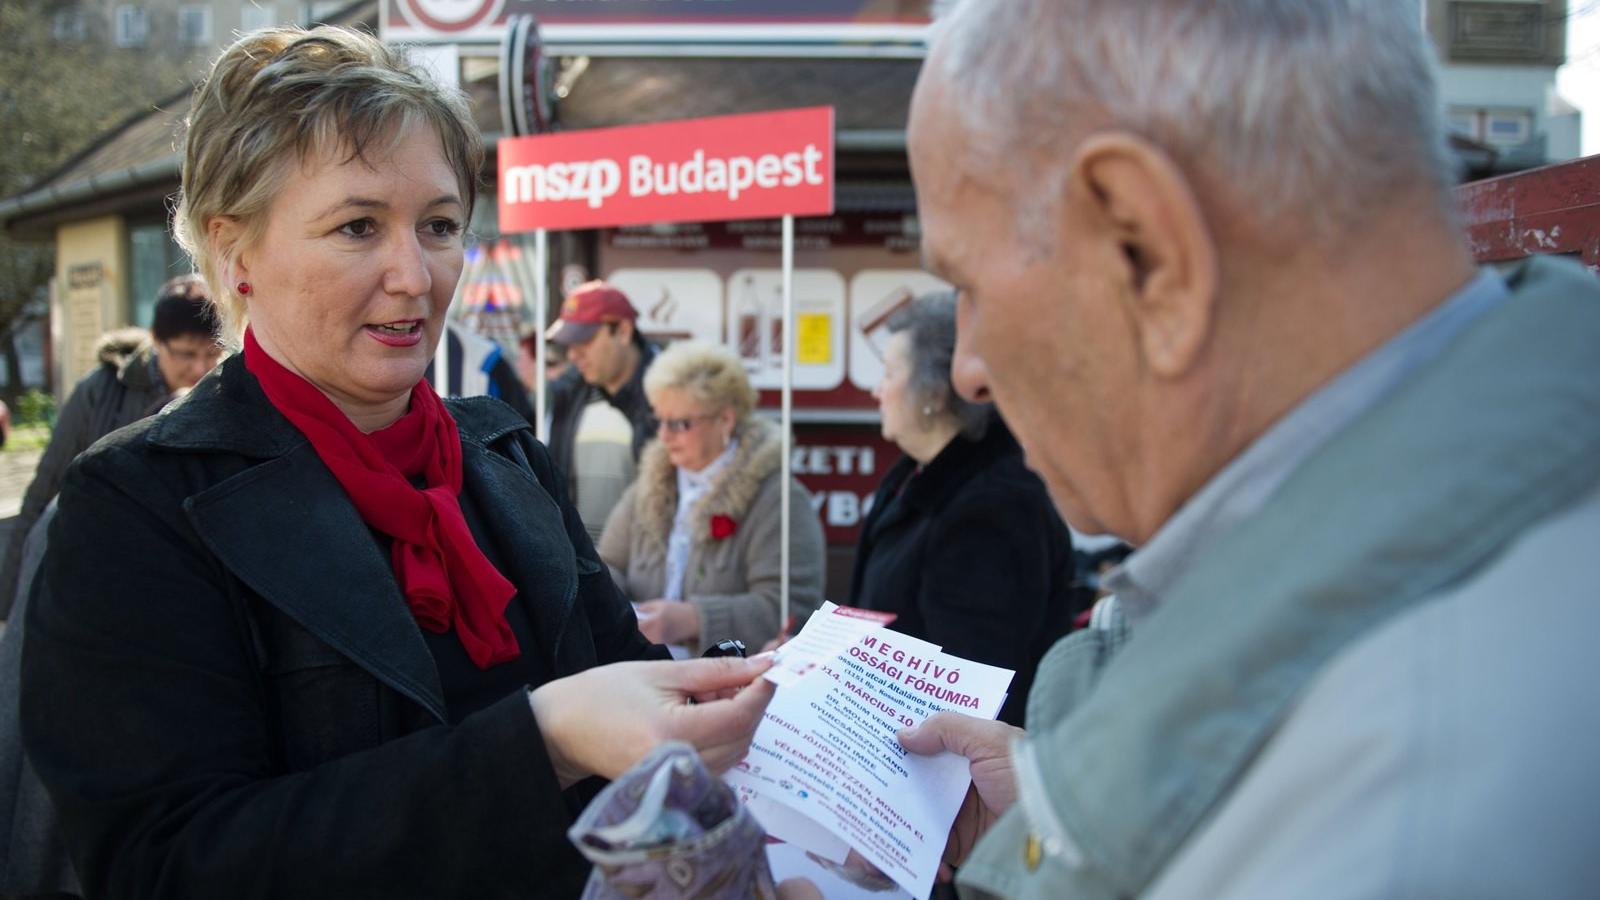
{"x": 1143, "y": 205}
{"x": 225, "y": 237}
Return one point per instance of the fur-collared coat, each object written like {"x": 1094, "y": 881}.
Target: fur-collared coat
{"x": 732, "y": 580}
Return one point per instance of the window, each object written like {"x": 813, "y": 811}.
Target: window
{"x": 132, "y": 28}
{"x": 153, "y": 257}
{"x": 68, "y": 25}
{"x": 1465, "y": 123}
{"x": 1507, "y": 127}
{"x": 194, "y": 25}
{"x": 254, "y": 17}
{"x": 1498, "y": 127}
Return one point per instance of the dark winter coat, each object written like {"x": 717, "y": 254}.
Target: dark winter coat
{"x": 227, "y": 695}
{"x": 971, "y": 556}
{"x": 122, "y": 389}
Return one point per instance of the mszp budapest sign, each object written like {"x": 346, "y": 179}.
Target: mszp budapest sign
{"x": 751, "y": 166}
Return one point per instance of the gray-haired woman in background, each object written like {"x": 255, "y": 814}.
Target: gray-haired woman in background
{"x": 962, "y": 542}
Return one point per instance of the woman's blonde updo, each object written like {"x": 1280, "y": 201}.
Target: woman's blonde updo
{"x": 281, "y": 96}
{"x": 710, "y": 373}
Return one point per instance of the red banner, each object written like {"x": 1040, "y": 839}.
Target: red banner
{"x": 753, "y": 166}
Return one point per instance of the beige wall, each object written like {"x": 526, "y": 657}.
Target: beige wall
{"x": 90, "y": 297}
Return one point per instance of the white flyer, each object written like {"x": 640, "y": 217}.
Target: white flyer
{"x": 826, "y": 753}
{"x": 830, "y": 631}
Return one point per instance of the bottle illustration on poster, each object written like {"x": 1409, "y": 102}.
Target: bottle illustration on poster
{"x": 752, "y": 317}
{"x": 756, "y": 327}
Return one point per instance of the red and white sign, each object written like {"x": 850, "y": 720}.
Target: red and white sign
{"x": 798, "y": 22}
{"x": 753, "y": 166}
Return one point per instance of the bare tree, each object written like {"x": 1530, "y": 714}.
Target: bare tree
{"x": 62, "y": 85}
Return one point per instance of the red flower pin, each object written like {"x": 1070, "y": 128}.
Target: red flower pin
{"x": 722, "y": 527}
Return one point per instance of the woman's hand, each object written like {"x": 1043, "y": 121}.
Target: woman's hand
{"x": 987, "y": 748}
{"x": 604, "y": 720}
{"x": 668, "y": 621}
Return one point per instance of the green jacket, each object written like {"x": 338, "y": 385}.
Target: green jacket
{"x": 1133, "y": 747}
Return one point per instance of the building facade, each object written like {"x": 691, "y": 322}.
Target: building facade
{"x": 1498, "y": 80}
{"x": 192, "y": 30}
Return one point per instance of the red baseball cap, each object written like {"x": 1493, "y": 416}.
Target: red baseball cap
{"x": 587, "y": 308}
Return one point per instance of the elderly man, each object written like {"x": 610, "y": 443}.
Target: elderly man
{"x": 1210, "y": 272}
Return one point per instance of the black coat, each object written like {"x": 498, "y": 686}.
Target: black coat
{"x": 971, "y": 556}
{"x": 123, "y": 389}
{"x": 227, "y": 695}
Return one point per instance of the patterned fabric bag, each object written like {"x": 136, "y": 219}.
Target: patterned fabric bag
{"x": 668, "y": 828}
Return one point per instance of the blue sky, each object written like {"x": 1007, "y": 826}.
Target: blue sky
{"x": 1579, "y": 79}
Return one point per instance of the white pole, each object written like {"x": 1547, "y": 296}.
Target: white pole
{"x": 787, "y": 419}
{"x": 441, "y": 362}
{"x": 541, "y": 308}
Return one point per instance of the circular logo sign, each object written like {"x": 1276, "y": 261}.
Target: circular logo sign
{"x": 451, "y": 16}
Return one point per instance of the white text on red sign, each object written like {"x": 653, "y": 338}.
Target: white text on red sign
{"x": 593, "y": 181}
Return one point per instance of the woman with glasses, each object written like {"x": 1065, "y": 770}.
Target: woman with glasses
{"x": 695, "y": 541}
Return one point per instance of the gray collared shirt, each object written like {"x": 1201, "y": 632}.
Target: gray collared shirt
{"x": 1245, "y": 484}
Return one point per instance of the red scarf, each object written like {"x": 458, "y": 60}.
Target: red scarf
{"x": 445, "y": 577}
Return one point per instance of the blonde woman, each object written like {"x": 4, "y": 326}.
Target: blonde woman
{"x": 695, "y": 541}
{"x": 314, "y": 632}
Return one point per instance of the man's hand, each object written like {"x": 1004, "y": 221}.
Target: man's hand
{"x": 604, "y": 720}
{"x": 668, "y": 621}
{"x": 987, "y": 748}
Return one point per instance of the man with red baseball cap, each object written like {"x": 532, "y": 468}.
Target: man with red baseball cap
{"x": 609, "y": 358}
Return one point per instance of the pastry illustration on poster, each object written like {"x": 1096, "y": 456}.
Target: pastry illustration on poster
{"x": 674, "y": 304}
{"x": 875, "y": 294}
{"x": 755, "y": 327}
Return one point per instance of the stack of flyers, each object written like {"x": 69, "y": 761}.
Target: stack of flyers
{"x": 826, "y": 773}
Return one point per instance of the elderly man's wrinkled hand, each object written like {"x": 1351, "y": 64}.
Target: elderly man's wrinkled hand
{"x": 604, "y": 720}
{"x": 987, "y": 748}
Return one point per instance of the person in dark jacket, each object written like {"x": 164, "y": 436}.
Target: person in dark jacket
{"x": 478, "y": 368}
{"x": 138, "y": 372}
{"x": 599, "y": 329}
{"x": 314, "y": 632}
{"x": 961, "y": 543}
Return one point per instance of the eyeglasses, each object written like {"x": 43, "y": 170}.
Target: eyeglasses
{"x": 187, "y": 357}
{"x": 679, "y": 426}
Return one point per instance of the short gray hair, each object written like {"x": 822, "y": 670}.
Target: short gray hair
{"x": 929, "y": 323}
{"x": 1322, "y": 107}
